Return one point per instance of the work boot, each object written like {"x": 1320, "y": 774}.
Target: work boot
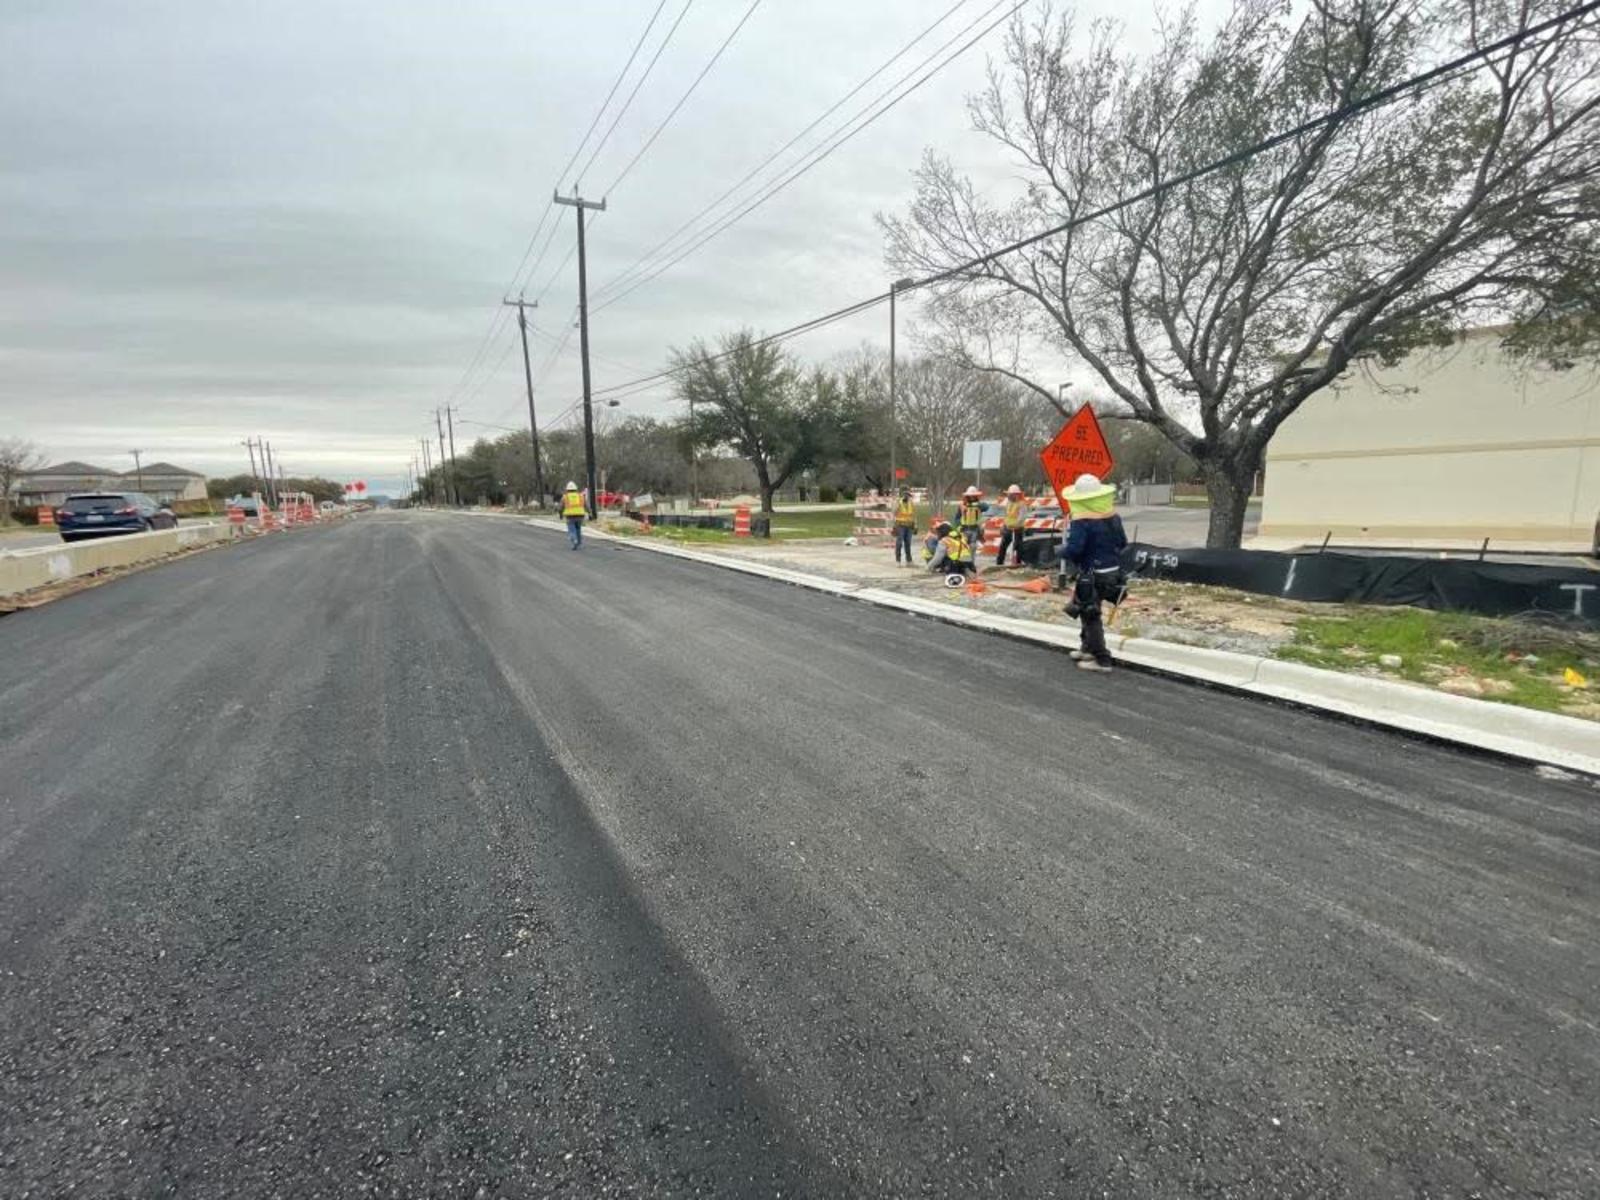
{"x": 1089, "y": 664}
{"x": 1079, "y": 655}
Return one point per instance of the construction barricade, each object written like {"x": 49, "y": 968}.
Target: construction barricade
{"x": 741, "y": 521}
{"x": 47, "y": 516}
{"x": 874, "y": 521}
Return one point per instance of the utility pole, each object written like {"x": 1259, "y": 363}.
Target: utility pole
{"x": 455, "y": 479}
{"x": 250, "y": 445}
{"x": 427, "y": 471}
{"x": 522, "y": 306}
{"x": 694, "y": 460}
{"x": 895, "y": 288}
{"x": 444, "y": 467}
{"x": 581, "y": 205}
{"x": 138, "y": 471}
{"x": 272, "y": 480}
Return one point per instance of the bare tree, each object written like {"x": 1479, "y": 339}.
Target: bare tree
{"x": 18, "y": 456}
{"x": 1214, "y": 307}
{"x": 938, "y": 411}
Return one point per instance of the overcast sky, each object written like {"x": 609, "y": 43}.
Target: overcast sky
{"x": 296, "y": 219}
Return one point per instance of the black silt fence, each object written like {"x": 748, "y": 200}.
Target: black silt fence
{"x": 1446, "y": 585}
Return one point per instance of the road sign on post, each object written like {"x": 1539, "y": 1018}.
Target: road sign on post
{"x": 1079, "y": 449}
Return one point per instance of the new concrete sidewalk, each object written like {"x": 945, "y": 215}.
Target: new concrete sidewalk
{"x": 1526, "y": 734}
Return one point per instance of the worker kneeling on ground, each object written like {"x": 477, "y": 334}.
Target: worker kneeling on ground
{"x": 1013, "y": 517}
{"x": 1094, "y": 546}
{"x": 953, "y": 553}
{"x": 573, "y": 510}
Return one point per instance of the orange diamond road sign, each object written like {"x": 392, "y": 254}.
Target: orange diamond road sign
{"x": 1079, "y": 449}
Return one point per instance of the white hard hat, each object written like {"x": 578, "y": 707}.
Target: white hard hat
{"x": 1089, "y": 487}
{"x": 572, "y": 487}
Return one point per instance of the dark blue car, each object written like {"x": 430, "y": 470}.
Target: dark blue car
{"x": 96, "y": 514}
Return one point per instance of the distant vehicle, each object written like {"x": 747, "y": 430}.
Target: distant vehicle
{"x": 247, "y": 504}
{"x": 96, "y": 514}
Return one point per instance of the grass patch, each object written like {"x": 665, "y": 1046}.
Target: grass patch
{"x": 1514, "y": 662}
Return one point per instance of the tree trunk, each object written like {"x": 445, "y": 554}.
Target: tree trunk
{"x": 764, "y": 480}
{"x": 1228, "y": 487}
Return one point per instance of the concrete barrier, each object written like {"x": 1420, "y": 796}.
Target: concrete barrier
{"x": 36, "y": 566}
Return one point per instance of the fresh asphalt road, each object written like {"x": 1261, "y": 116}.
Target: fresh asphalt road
{"x": 421, "y": 856}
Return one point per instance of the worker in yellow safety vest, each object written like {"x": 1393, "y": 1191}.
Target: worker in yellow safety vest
{"x": 572, "y": 508}
{"x": 1013, "y": 516}
{"x": 971, "y": 517}
{"x": 953, "y": 554}
{"x": 905, "y": 521}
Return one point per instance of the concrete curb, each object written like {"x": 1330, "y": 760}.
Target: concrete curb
{"x": 1479, "y": 725}
{"x": 37, "y": 566}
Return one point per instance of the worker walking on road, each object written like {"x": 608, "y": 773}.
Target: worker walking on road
{"x": 905, "y": 522}
{"x": 1094, "y": 546}
{"x": 1013, "y": 516}
{"x": 572, "y": 508}
{"x": 971, "y": 517}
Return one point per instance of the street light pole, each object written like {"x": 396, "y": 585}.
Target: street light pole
{"x": 138, "y": 470}
{"x": 895, "y": 288}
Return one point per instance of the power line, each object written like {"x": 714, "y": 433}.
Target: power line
{"x": 626, "y": 104}
{"x": 616, "y": 83}
{"x": 781, "y": 150}
{"x": 863, "y": 119}
{"x": 1374, "y": 100}
{"x": 682, "y": 100}
{"x": 500, "y": 315}
{"x": 549, "y": 206}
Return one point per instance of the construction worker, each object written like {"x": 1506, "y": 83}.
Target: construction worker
{"x": 905, "y": 522}
{"x": 1013, "y": 515}
{"x": 572, "y": 508}
{"x": 953, "y": 554}
{"x": 971, "y": 517}
{"x": 1094, "y": 546}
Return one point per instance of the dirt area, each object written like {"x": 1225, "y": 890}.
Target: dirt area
{"x": 1555, "y": 669}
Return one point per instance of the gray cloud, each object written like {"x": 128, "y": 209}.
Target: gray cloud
{"x": 295, "y": 219}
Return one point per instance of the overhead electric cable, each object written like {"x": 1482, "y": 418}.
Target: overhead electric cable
{"x": 1375, "y": 99}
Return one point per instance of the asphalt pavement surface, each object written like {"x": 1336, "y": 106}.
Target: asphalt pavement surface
{"x": 419, "y": 855}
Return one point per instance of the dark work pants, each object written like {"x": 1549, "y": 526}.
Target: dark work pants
{"x": 1090, "y": 621}
{"x": 1009, "y": 539}
{"x": 902, "y": 542}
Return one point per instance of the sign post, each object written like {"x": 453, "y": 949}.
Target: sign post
{"x": 975, "y": 456}
{"x": 1078, "y": 449}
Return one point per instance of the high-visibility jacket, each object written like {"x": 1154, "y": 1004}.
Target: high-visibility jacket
{"x": 905, "y": 513}
{"x": 1016, "y": 513}
{"x": 956, "y": 548}
{"x": 971, "y": 514}
{"x": 572, "y": 505}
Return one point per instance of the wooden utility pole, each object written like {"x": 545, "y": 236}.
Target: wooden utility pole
{"x": 522, "y": 306}
{"x": 455, "y": 478}
{"x": 583, "y": 205}
{"x": 250, "y": 445}
{"x": 427, "y": 473}
{"x": 445, "y": 466}
{"x": 272, "y": 481}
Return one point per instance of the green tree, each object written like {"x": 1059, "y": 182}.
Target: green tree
{"x": 756, "y": 400}
{"x": 1212, "y": 309}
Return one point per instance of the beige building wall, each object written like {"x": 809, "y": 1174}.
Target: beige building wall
{"x": 1450, "y": 446}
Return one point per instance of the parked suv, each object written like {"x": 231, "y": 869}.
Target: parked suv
{"x": 95, "y": 514}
